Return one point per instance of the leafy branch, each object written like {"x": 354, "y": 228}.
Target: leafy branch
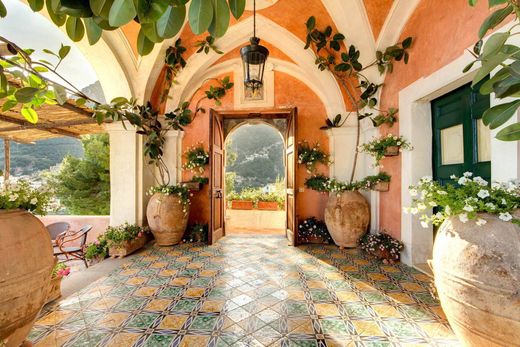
{"x": 333, "y": 55}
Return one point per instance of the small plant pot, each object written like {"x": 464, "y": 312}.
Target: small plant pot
{"x": 55, "y": 291}
{"x": 268, "y": 205}
{"x": 382, "y": 186}
{"x": 127, "y": 247}
{"x": 385, "y": 256}
{"x": 95, "y": 260}
{"x": 241, "y": 205}
{"x": 391, "y": 151}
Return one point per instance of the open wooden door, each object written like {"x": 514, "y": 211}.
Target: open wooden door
{"x": 291, "y": 158}
{"x": 216, "y": 144}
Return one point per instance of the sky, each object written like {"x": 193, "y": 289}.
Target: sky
{"x": 32, "y": 30}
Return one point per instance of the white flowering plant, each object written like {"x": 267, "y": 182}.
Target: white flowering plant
{"x": 471, "y": 196}
{"x": 181, "y": 191}
{"x": 378, "y": 146}
{"x": 196, "y": 158}
{"x": 382, "y": 245}
{"x": 310, "y": 156}
{"x": 21, "y": 195}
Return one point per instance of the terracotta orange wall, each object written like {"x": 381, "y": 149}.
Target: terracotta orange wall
{"x": 289, "y": 92}
{"x": 442, "y": 30}
{"x": 377, "y": 11}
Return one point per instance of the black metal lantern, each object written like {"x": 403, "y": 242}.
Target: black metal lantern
{"x": 254, "y": 57}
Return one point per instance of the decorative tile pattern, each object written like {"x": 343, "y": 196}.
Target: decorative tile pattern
{"x": 249, "y": 291}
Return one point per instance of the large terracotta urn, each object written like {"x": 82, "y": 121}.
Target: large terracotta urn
{"x": 477, "y": 276}
{"x": 347, "y": 216}
{"x": 167, "y": 218}
{"x": 26, "y": 262}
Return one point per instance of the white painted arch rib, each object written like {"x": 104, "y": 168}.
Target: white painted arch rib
{"x": 198, "y": 64}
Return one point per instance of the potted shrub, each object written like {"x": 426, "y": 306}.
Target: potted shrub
{"x": 312, "y": 230}
{"x": 197, "y": 232}
{"x": 167, "y": 213}
{"x": 382, "y": 246}
{"x": 385, "y": 146}
{"x": 379, "y": 182}
{"x": 310, "y": 156}
{"x": 27, "y": 258}
{"x": 196, "y": 159}
{"x": 97, "y": 250}
{"x": 242, "y": 201}
{"x": 60, "y": 270}
{"x": 271, "y": 201}
{"x": 476, "y": 258}
{"x": 125, "y": 239}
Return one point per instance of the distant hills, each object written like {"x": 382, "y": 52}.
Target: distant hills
{"x": 259, "y": 156}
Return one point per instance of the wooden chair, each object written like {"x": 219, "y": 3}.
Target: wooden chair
{"x": 55, "y": 229}
{"x": 73, "y": 251}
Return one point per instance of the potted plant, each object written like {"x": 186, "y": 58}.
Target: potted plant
{"x": 312, "y": 230}
{"x": 476, "y": 261}
{"x": 382, "y": 246}
{"x": 271, "y": 201}
{"x": 385, "y": 146}
{"x": 96, "y": 251}
{"x": 27, "y": 258}
{"x": 379, "y": 182}
{"x": 167, "y": 213}
{"x": 196, "y": 159}
{"x": 125, "y": 239}
{"x": 242, "y": 201}
{"x": 60, "y": 270}
{"x": 310, "y": 156}
{"x": 196, "y": 232}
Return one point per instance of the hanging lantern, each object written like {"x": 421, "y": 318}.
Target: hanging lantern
{"x": 254, "y": 57}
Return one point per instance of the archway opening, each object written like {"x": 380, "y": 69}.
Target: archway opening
{"x": 254, "y": 186}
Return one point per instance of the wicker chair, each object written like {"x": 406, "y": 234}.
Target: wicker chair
{"x": 73, "y": 251}
{"x": 55, "y": 229}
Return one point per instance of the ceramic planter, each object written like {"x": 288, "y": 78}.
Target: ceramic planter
{"x": 382, "y": 186}
{"x": 347, "y": 216}
{"x": 391, "y": 151}
{"x": 167, "y": 219}
{"x": 477, "y": 276}
{"x": 127, "y": 247}
{"x": 25, "y": 273}
{"x": 241, "y": 205}
{"x": 268, "y": 205}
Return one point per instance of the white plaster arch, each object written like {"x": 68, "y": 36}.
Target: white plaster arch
{"x": 199, "y": 64}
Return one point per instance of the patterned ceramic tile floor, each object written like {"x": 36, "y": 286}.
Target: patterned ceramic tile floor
{"x": 249, "y": 291}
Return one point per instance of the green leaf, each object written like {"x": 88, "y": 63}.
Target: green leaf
{"x": 80, "y": 101}
{"x": 220, "y": 22}
{"x": 487, "y": 87}
{"x": 488, "y": 66}
{"x": 94, "y": 31}
{"x": 507, "y": 87}
{"x": 498, "y": 115}
{"x": 150, "y": 30}
{"x": 30, "y": 114}
{"x": 311, "y": 23}
{"x": 493, "y": 3}
{"x": 75, "y": 28}
{"x": 494, "y": 19}
{"x": 121, "y": 12}
{"x": 119, "y": 100}
{"x": 57, "y": 18}
{"x": 36, "y": 5}
{"x": 171, "y": 21}
{"x": 3, "y": 10}
{"x": 495, "y": 44}
{"x": 26, "y": 94}
{"x": 60, "y": 94}
{"x": 3, "y": 83}
{"x": 9, "y": 104}
{"x": 74, "y": 8}
{"x": 407, "y": 43}
{"x": 472, "y": 2}
{"x": 509, "y": 133}
{"x": 237, "y": 7}
{"x": 64, "y": 51}
{"x": 149, "y": 11}
{"x": 144, "y": 45}
{"x": 101, "y": 8}
{"x": 200, "y": 15}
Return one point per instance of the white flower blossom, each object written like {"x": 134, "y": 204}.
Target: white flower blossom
{"x": 468, "y": 208}
{"x": 13, "y": 197}
{"x": 34, "y": 201}
{"x": 421, "y": 206}
{"x": 442, "y": 192}
{"x": 433, "y": 204}
{"x": 447, "y": 210}
{"x": 413, "y": 192}
{"x": 491, "y": 205}
{"x": 424, "y": 224}
{"x": 463, "y": 217}
{"x": 503, "y": 202}
{"x": 483, "y": 193}
{"x": 427, "y": 179}
{"x": 468, "y": 174}
{"x": 505, "y": 216}
{"x": 462, "y": 181}
{"x": 453, "y": 177}
{"x": 414, "y": 210}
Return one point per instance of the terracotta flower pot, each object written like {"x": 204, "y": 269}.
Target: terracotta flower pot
{"x": 382, "y": 186}
{"x": 477, "y": 275}
{"x": 268, "y": 205}
{"x": 25, "y": 273}
{"x": 391, "y": 151}
{"x": 347, "y": 216}
{"x": 127, "y": 247}
{"x": 241, "y": 205}
{"x": 167, "y": 218}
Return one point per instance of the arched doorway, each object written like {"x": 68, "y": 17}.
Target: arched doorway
{"x": 222, "y": 127}
{"x": 254, "y": 179}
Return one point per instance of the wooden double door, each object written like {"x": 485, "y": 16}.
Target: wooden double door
{"x": 217, "y": 160}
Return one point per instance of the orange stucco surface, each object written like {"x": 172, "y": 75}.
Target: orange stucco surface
{"x": 442, "y": 30}
{"x": 377, "y": 11}
{"x": 289, "y": 92}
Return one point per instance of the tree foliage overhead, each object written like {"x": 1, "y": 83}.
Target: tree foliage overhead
{"x": 83, "y": 184}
